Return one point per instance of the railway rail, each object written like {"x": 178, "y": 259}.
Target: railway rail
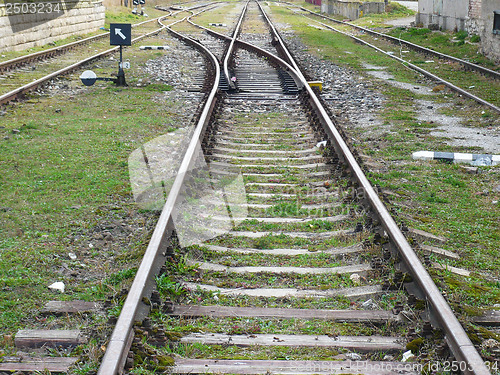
{"x": 42, "y": 55}
{"x": 467, "y": 65}
{"x": 14, "y": 71}
{"x": 279, "y": 155}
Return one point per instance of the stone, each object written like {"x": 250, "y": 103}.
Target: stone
{"x": 369, "y": 304}
{"x": 356, "y": 279}
{"x": 353, "y": 356}
{"x": 470, "y": 170}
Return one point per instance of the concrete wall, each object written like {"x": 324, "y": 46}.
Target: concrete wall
{"x": 26, "y": 30}
{"x": 483, "y": 26}
{"x": 443, "y": 14}
{"x": 351, "y": 10}
{"x": 474, "y": 16}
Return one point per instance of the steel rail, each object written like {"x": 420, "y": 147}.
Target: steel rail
{"x": 119, "y": 344}
{"x": 11, "y": 95}
{"x": 467, "y": 64}
{"x": 57, "y": 50}
{"x": 457, "y": 338}
{"x": 251, "y": 47}
{"x": 417, "y": 68}
{"x": 229, "y": 52}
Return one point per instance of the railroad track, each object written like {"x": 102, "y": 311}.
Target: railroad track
{"x": 443, "y": 70}
{"x": 398, "y": 41}
{"x": 26, "y": 73}
{"x": 273, "y": 253}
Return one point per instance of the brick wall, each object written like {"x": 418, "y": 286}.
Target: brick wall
{"x": 475, "y": 8}
{"x": 21, "y": 31}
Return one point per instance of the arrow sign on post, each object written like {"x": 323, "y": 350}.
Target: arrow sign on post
{"x": 120, "y": 34}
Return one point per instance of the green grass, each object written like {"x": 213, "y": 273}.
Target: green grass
{"x": 446, "y": 42}
{"x": 64, "y": 181}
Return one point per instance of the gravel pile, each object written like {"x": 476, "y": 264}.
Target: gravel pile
{"x": 349, "y": 96}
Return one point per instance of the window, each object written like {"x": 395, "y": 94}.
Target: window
{"x": 496, "y": 22}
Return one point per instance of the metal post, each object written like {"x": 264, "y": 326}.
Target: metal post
{"x": 120, "y": 80}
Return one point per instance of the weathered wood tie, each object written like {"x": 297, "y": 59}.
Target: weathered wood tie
{"x": 370, "y": 316}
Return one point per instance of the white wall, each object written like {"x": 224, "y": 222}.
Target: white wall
{"x": 23, "y": 31}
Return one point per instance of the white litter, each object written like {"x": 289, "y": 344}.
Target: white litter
{"x": 407, "y": 355}
{"x": 57, "y": 286}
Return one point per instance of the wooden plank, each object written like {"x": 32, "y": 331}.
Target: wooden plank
{"x": 427, "y": 236}
{"x": 455, "y": 270}
{"x": 333, "y": 251}
{"x": 489, "y": 318}
{"x": 254, "y": 367}
{"x": 51, "y": 364}
{"x": 444, "y": 253}
{"x": 279, "y": 220}
{"x": 352, "y": 293}
{"x": 36, "y": 338}
{"x": 69, "y": 307}
{"x": 359, "y": 343}
{"x": 373, "y": 316}
{"x": 311, "y": 235}
{"x": 357, "y": 268}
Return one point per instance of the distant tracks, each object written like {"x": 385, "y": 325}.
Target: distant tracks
{"x": 426, "y": 51}
{"x": 18, "y": 62}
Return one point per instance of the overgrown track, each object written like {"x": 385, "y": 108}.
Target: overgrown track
{"x": 56, "y": 51}
{"x": 29, "y": 72}
{"x": 278, "y": 251}
{"x": 486, "y": 77}
{"x": 429, "y": 52}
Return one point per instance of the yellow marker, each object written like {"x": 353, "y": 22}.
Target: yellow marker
{"x": 317, "y": 84}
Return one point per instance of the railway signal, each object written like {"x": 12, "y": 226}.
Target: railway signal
{"x": 141, "y": 3}
{"x": 88, "y": 78}
{"x": 120, "y": 34}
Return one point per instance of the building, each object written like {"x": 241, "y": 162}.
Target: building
{"x": 480, "y": 17}
{"x": 24, "y": 26}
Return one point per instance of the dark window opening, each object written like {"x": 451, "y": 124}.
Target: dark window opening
{"x": 496, "y": 22}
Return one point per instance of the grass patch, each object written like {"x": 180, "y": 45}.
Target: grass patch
{"x": 65, "y": 189}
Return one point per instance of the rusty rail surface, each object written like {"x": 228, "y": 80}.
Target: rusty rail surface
{"x": 119, "y": 344}
{"x": 416, "y": 47}
{"x": 16, "y": 93}
{"x": 457, "y": 338}
{"x": 418, "y": 69}
{"x": 11, "y": 95}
